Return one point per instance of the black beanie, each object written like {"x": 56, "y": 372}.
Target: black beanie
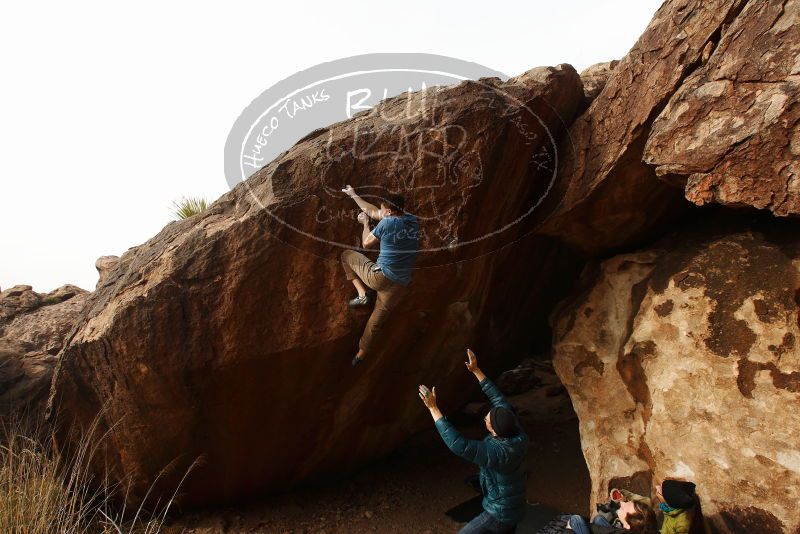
{"x": 678, "y": 494}
{"x": 503, "y": 422}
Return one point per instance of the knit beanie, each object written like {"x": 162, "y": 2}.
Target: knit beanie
{"x": 503, "y": 421}
{"x": 678, "y": 494}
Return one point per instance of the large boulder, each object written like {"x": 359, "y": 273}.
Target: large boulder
{"x": 33, "y": 328}
{"x": 18, "y": 299}
{"x": 606, "y": 198}
{"x": 594, "y": 78}
{"x": 682, "y": 361}
{"x": 227, "y": 337}
{"x": 731, "y": 133}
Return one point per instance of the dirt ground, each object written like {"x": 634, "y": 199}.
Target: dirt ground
{"x": 411, "y": 490}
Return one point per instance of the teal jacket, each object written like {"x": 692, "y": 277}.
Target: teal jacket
{"x": 502, "y": 462}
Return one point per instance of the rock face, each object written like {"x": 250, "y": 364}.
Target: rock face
{"x": 730, "y": 134}
{"x": 227, "y": 335}
{"x": 32, "y": 332}
{"x": 16, "y": 300}
{"x": 683, "y": 361}
{"x": 104, "y": 264}
{"x": 602, "y": 182}
{"x": 594, "y": 78}
{"x": 521, "y": 379}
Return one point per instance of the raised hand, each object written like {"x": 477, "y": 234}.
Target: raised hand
{"x": 472, "y": 362}
{"x": 348, "y": 190}
{"x": 428, "y": 397}
{"x": 363, "y": 218}
{"x": 472, "y": 366}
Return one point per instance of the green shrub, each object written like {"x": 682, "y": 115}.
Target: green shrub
{"x": 187, "y": 207}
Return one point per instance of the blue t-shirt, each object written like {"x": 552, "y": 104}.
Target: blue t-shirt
{"x": 399, "y": 237}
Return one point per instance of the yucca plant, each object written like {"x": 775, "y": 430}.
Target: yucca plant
{"x": 186, "y": 207}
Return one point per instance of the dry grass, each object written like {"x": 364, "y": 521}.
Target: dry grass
{"x": 46, "y": 491}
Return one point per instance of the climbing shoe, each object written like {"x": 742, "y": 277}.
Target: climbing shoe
{"x": 358, "y": 302}
{"x": 356, "y": 361}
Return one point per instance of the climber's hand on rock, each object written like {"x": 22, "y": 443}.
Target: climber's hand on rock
{"x": 349, "y": 191}
{"x": 428, "y": 397}
{"x": 363, "y": 218}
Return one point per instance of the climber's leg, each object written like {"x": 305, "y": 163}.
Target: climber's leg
{"x": 357, "y": 269}
{"x": 389, "y": 296}
{"x": 360, "y": 287}
{"x": 578, "y": 525}
{"x": 355, "y": 264}
{"x": 485, "y": 523}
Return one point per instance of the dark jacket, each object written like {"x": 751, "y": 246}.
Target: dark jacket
{"x": 502, "y": 462}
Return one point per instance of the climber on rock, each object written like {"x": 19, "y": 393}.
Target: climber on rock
{"x": 390, "y": 275}
{"x": 501, "y": 456}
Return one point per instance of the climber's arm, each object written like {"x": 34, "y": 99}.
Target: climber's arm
{"x": 477, "y": 452}
{"x": 489, "y": 389}
{"x": 369, "y": 238}
{"x": 495, "y": 397}
{"x": 370, "y": 209}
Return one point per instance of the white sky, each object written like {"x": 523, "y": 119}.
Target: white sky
{"x": 109, "y": 111}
